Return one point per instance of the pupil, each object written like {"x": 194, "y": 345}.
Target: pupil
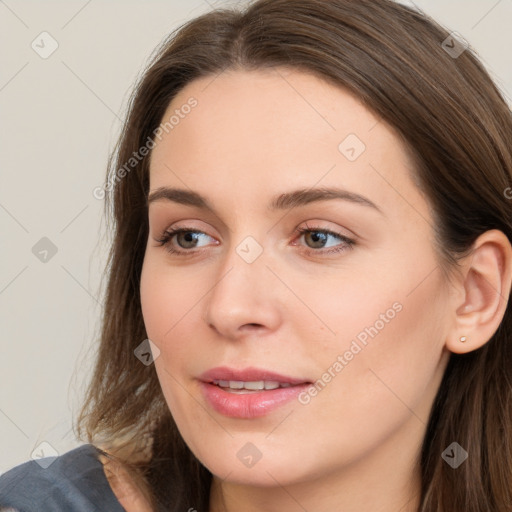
{"x": 318, "y": 237}
{"x": 190, "y": 237}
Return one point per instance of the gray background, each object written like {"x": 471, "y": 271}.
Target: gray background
{"x": 60, "y": 117}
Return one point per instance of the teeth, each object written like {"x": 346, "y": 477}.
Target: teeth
{"x": 252, "y": 386}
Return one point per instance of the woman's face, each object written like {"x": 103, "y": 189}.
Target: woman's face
{"x": 353, "y": 320}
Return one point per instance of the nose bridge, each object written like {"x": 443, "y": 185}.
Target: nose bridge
{"x": 240, "y": 272}
{"x": 242, "y": 293}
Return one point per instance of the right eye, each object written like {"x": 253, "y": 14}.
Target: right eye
{"x": 185, "y": 236}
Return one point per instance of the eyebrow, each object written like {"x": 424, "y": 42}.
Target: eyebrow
{"x": 285, "y": 201}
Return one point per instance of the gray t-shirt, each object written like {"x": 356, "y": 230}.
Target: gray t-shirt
{"x": 73, "y": 482}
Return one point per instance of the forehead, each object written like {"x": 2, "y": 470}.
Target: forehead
{"x": 262, "y": 131}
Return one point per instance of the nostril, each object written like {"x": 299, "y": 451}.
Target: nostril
{"x": 252, "y": 325}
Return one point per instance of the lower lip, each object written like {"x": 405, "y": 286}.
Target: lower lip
{"x": 249, "y": 405}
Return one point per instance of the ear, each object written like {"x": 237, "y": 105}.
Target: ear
{"x": 482, "y": 292}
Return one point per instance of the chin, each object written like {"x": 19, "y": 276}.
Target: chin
{"x": 244, "y": 467}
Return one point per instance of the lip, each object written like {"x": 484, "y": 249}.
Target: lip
{"x": 248, "y": 375}
{"x": 249, "y": 405}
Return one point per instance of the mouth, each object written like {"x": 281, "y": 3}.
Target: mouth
{"x": 249, "y": 378}
{"x": 249, "y": 393}
{"x": 241, "y": 387}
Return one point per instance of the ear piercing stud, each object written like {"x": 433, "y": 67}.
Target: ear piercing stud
{"x": 463, "y": 339}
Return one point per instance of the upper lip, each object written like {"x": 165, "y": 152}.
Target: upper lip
{"x": 248, "y": 375}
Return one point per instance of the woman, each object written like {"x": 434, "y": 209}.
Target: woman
{"x": 308, "y": 294}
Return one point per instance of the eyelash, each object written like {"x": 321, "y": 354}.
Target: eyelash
{"x": 167, "y": 236}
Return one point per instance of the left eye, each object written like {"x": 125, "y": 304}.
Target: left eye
{"x": 311, "y": 234}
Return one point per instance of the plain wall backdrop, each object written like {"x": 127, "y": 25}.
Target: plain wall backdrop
{"x": 61, "y": 109}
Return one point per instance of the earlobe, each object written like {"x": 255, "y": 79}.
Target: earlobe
{"x": 486, "y": 285}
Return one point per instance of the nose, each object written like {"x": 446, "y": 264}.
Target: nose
{"x": 244, "y": 298}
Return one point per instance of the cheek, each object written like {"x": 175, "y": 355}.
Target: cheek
{"x": 170, "y": 302}
{"x": 390, "y": 343}
{"x": 167, "y": 297}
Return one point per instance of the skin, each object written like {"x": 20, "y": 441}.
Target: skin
{"x": 254, "y": 135}
{"x": 123, "y": 487}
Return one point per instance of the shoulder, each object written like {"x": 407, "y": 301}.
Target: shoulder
{"x": 72, "y": 482}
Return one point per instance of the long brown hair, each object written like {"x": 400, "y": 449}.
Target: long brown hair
{"x": 458, "y": 127}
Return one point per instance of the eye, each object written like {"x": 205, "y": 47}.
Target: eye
{"x": 187, "y": 239}
{"x": 319, "y": 237}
